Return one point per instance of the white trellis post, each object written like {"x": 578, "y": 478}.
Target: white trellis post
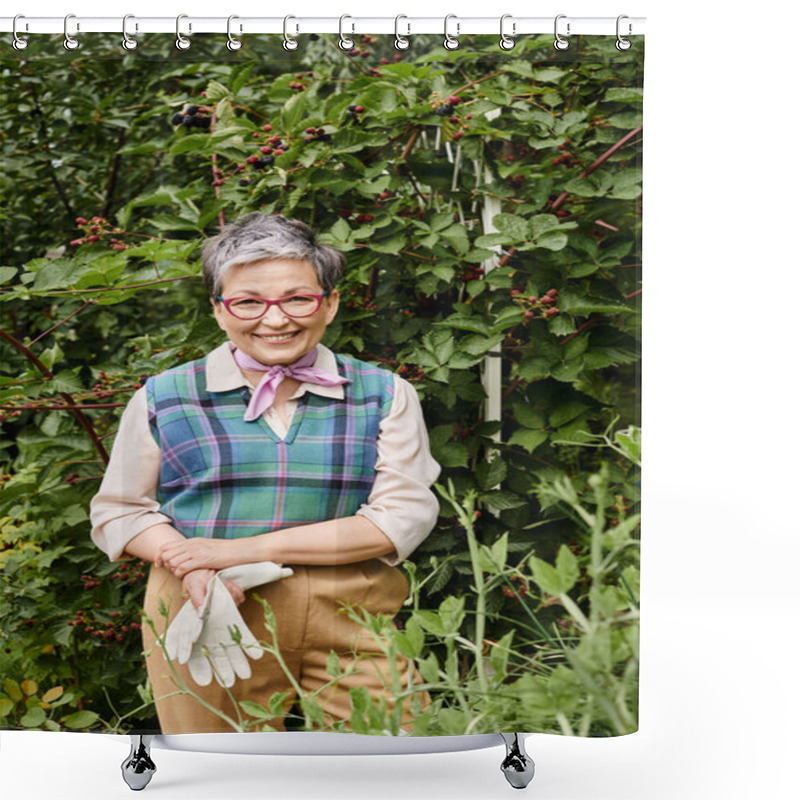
{"x": 492, "y": 370}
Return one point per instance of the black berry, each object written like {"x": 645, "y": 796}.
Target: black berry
{"x": 443, "y": 111}
{"x": 192, "y": 110}
{"x": 177, "y": 119}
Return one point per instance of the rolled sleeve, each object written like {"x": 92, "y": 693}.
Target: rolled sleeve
{"x": 401, "y": 502}
{"x": 127, "y": 503}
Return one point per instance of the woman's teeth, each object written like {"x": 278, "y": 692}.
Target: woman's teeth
{"x": 282, "y": 338}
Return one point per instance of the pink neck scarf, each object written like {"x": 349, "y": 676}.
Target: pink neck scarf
{"x": 264, "y": 395}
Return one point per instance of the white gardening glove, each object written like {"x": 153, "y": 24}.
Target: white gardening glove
{"x": 183, "y": 632}
{"x": 246, "y": 576}
{"x": 192, "y": 629}
{"x": 215, "y": 653}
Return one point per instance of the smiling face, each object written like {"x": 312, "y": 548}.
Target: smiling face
{"x": 275, "y": 338}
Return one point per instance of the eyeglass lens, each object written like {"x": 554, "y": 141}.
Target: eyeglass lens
{"x": 298, "y": 305}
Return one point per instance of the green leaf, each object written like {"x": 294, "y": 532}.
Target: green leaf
{"x": 429, "y": 620}
{"x": 451, "y": 614}
{"x": 6, "y": 706}
{"x": 515, "y": 228}
{"x": 528, "y": 439}
{"x": 534, "y": 369}
{"x": 11, "y": 688}
{"x": 194, "y": 141}
{"x": 7, "y": 273}
{"x": 333, "y": 665}
{"x": 293, "y": 111}
{"x": 528, "y": 417}
{"x": 429, "y": 668}
{"x": 58, "y": 274}
{"x": 491, "y": 473}
{"x": 499, "y": 655}
{"x": 81, "y": 719}
{"x": 411, "y": 641}
{"x": 630, "y": 442}
{"x": 547, "y": 577}
{"x": 503, "y": 501}
{"x": 567, "y": 566}
{"x": 34, "y": 718}
{"x": 628, "y": 94}
{"x": 216, "y": 91}
{"x": 565, "y": 412}
{"x": 255, "y": 709}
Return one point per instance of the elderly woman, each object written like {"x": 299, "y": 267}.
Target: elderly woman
{"x": 274, "y": 449}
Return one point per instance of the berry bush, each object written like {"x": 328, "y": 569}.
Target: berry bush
{"x": 489, "y": 205}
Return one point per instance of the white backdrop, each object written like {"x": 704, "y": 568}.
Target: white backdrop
{"x": 720, "y": 695}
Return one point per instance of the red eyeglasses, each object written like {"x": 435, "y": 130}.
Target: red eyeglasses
{"x": 293, "y": 305}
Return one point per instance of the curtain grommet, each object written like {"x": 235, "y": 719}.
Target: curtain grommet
{"x": 401, "y": 42}
{"x": 128, "y": 42}
{"x": 451, "y": 42}
{"x": 622, "y": 43}
{"x": 19, "y": 43}
{"x": 181, "y": 42}
{"x": 70, "y": 42}
{"x": 507, "y": 42}
{"x": 233, "y": 44}
{"x": 560, "y": 42}
{"x": 345, "y": 43}
{"x": 288, "y": 43}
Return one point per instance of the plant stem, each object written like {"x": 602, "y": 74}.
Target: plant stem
{"x": 50, "y": 330}
{"x": 79, "y": 415}
{"x": 590, "y": 169}
{"x": 467, "y": 520}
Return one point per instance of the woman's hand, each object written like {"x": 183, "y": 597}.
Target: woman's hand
{"x": 182, "y": 557}
{"x": 195, "y": 584}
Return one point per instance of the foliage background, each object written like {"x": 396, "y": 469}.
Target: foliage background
{"x": 83, "y": 323}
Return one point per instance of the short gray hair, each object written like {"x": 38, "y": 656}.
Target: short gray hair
{"x": 258, "y": 237}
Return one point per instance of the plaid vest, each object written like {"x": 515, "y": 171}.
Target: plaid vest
{"x": 222, "y": 477}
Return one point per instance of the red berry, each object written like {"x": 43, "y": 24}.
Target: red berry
{"x": 453, "y": 100}
{"x": 457, "y": 135}
{"x": 551, "y": 312}
{"x": 81, "y": 220}
{"x": 359, "y": 109}
{"x": 267, "y": 128}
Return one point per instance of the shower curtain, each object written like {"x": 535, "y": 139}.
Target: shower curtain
{"x": 488, "y": 204}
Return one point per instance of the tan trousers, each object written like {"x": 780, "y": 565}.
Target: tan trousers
{"x": 310, "y": 623}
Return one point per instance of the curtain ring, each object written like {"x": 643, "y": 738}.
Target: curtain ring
{"x": 344, "y": 42}
{"x": 451, "y": 42}
{"x": 70, "y": 42}
{"x": 182, "y": 43}
{"x": 400, "y": 42}
{"x": 561, "y": 43}
{"x": 507, "y": 42}
{"x": 233, "y": 44}
{"x": 623, "y": 44}
{"x": 19, "y": 43}
{"x": 128, "y": 42}
{"x": 288, "y": 42}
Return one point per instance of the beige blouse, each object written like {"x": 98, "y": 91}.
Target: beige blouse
{"x": 401, "y": 502}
